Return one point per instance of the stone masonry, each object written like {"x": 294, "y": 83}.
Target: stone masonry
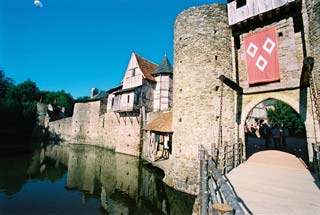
{"x": 88, "y": 125}
{"x": 202, "y": 52}
{"x": 313, "y": 24}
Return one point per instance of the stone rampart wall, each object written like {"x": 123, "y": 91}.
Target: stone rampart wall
{"x": 109, "y": 130}
{"x": 85, "y": 120}
{"x": 122, "y": 133}
{"x": 61, "y": 128}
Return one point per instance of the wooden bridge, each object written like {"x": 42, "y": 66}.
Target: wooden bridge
{"x": 269, "y": 182}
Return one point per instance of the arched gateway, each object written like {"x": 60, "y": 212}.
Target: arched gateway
{"x": 302, "y": 106}
{"x": 259, "y": 50}
{"x": 275, "y": 125}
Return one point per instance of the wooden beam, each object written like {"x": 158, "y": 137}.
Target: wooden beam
{"x": 230, "y": 83}
{"x": 117, "y": 117}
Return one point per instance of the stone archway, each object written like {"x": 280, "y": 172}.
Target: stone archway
{"x": 300, "y": 103}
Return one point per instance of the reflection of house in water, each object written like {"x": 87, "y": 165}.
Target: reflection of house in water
{"x": 121, "y": 183}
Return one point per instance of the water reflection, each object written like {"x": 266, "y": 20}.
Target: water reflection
{"x": 118, "y": 183}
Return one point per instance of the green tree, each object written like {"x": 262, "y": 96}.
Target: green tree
{"x": 82, "y": 99}
{"x": 19, "y": 106}
{"x": 286, "y": 115}
{"x": 60, "y": 98}
{"x": 5, "y": 83}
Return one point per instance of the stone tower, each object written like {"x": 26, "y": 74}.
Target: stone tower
{"x": 202, "y": 52}
{"x": 163, "y": 91}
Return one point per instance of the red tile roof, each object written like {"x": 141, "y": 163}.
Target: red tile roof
{"x": 146, "y": 67}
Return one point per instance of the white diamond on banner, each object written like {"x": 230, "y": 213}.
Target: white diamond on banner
{"x": 261, "y": 63}
{"x": 252, "y": 50}
{"x": 269, "y": 45}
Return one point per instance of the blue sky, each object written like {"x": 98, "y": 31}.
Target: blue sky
{"x": 75, "y": 45}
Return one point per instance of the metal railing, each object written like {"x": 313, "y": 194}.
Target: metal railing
{"x": 213, "y": 187}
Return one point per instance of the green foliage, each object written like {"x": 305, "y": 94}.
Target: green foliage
{"x": 82, "y": 99}
{"x": 60, "y": 98}
{"x": 18, "y": 104}
{"x": 5, "y": 83}
{"x": 284, "y": 114}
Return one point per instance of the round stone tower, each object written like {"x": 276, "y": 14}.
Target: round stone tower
{"x": 202, "y": 52}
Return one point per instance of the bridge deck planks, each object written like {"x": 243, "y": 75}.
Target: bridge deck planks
{"x": 274, "y": 182}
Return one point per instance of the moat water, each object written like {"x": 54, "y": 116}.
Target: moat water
{"x": 79, "y": 179}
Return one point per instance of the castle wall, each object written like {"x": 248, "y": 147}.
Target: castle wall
{"x": 85, "y": 120}
{"x": 109, "y": 130}
{"x": 61, "y": 128}
{"x": 313, "y": 22}
{"x": 121, "y": 133}
{"x": 202, "y": 52}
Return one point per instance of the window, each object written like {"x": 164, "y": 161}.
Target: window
{"x": 133, "y": 72}
{"x": 128, "y": 98}
{"x": 112, "y": 102}
{"x": 241, "y": 3}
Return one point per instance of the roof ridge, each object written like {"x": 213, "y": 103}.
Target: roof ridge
{"x": 145, "y": 59}
{"x": 146, "y": 67}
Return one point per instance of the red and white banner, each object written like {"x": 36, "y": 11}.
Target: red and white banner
{"x": 262, "y": 56}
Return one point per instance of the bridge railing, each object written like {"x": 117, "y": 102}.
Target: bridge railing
{"x": 228, "y": 157}
{"x": 316, "y": 158}
{"x": 214, "y": 189}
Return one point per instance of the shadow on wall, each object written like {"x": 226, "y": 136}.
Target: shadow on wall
{"x": 43, "y": 133}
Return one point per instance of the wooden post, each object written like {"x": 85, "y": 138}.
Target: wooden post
{"x": 225, "y": 157}
{"x": 226, "y": 190}
{"x": 223, "y": 209}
